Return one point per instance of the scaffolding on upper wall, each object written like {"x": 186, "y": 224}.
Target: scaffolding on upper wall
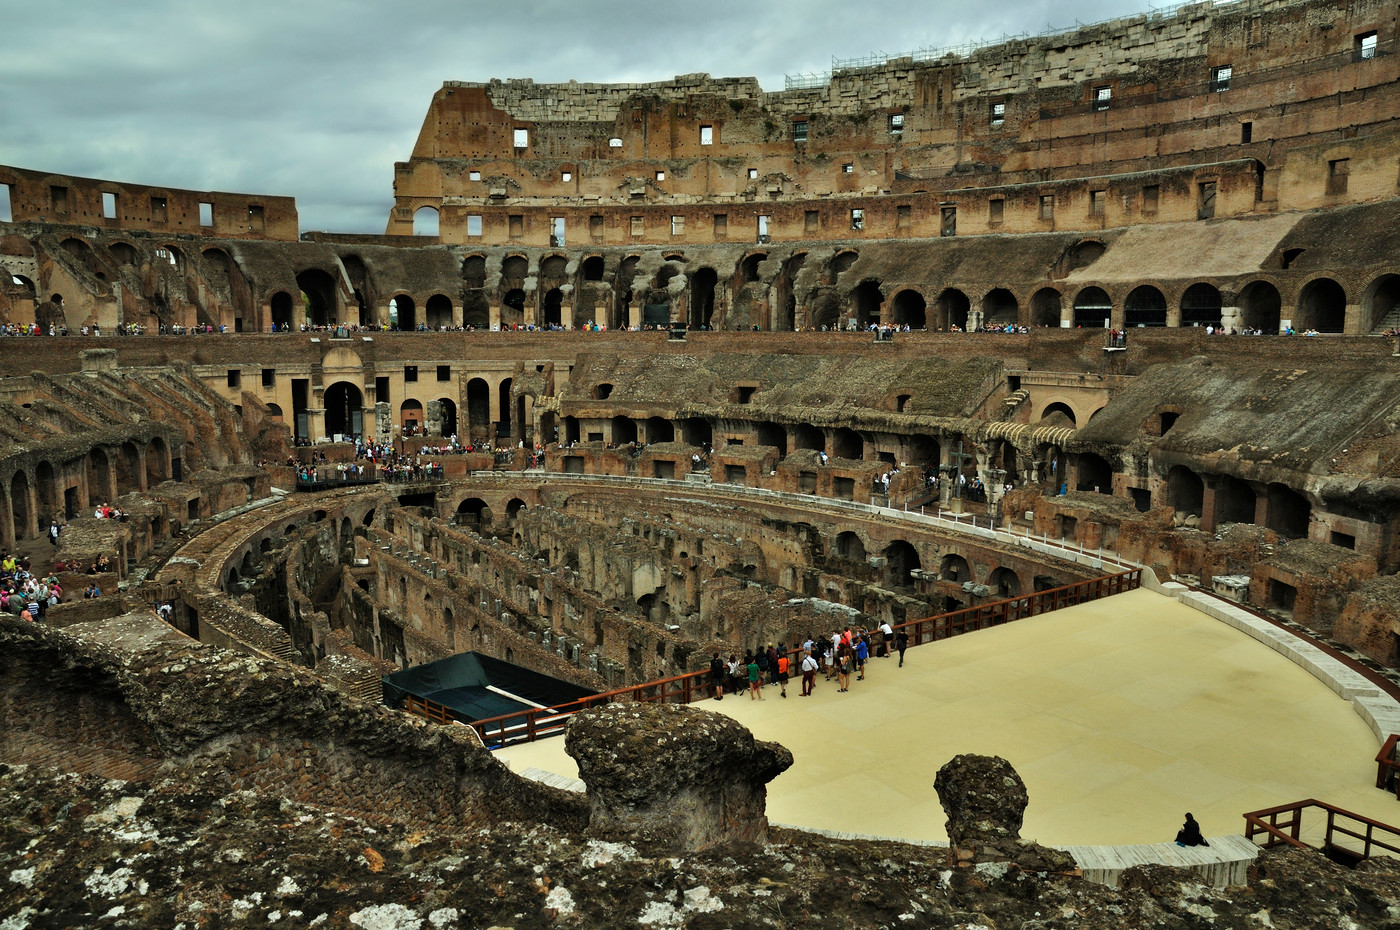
{"x": 808, "y": 80}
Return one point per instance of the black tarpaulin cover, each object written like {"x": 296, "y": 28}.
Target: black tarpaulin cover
{"x": 656, "y": 314}
{"x": 462, "y": 683}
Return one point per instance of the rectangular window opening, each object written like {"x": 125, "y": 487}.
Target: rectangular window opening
{"x": 811, "y": 220}
{"x": 58, "y": 199}
{"x": 269, "y": 377}
{"x": 473, "y": 175}
{"x": 206, "y": 213}
{"x": 257, "y": 219}
{"x": 996, "y": 211}
{"x": 410, "y": 373}
{"x": 949, "y": 225}
{"x": 1345, "y": 540}
{"x": 721, "y": 225}
{"x": 6, "y": 211}
{"x": 1365, "y": 47}
{"x": 896, "y": 123}
{"x": 566, "y": 176}
{"x": 1246, "y": 132}
{"x": 381, "y": 389}
{"x": 1205, "y": 193}
{"x": 707, "y": 135}
{"x": 799, "y": 130}
{"x": 109, "y": 205}
{"x": 235, "y": 378}
{"x": 763, "y": 221}
{"x": 677, "y": 225}
{"x": 1338, "y": 170}
{"x": 1220, "y": 78}
{"x": 595, "y": 227}
{"x": 444, "y": 372}
{"x": 556, "y": 231}
{"x": 636, "y": 225}
{"x": 158, "y": 209}
{"x": 998, "y": 114}
{"x": 1102, "y": 97}
{"x": 902, "y": 215}
{"x": 857, "y": 219}
{"x": 660, "y": 175}
{"x": 473, "y": 224}
{"x": 753, "y": 174}
{"x": 1047, "y": 206}
{"x": 1151, "y": 194}
{"x": 848, "y": 168}
{"x": 517, "y": 225}
{"x": 1097, "y": 199}
{"x": 520, "y": 138}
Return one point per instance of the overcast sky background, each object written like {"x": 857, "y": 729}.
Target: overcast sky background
{"x": 317, "y": 99}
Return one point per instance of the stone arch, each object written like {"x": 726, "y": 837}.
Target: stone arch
{"x": 1289, "y": 513}
{"x": 318, "y": 296}
{"x": 849, "y": 546}
{"x": 513, "y": 307}
{"x": 1145, "y": 306}
{"x": 660, "y": 429}
{"x": 954, "y": 568}
{"x": 1201, "y": 305}
{"x": 841, "y": 262}
{"x": 846, "y": 443}
{"x": 952, "y": 308}
{"x": 1185, "y": 490}
{"x": 157, "y": 462}
{"x": 1235, "y": 500}
{"x": 426, "y": 221}
{"x": 593, "y": 267}
{"x": 474, "y": 271}
{"x": 1000, "y": 308}
{"x": 773, "y": 434}
{"x": 1004, "y": 583}
{"x": 908, "y": 308}
{"x": 1062, "y": 408}
{"x": 1045, "y": 307}
{"x": 901, "y": 561}
{"x": 411, "y": 416}
{"x": 447, "y": 416}
{"x": 866, "y": 300}
{"x": 696, "y": 431}
{"x": 403, "y": 313}
{"x": 785, "y": 305}
{"x": 439, "y": 312}
{"x": 472, "y": 511}
{"x": 702, "y": 298}
{"x": 1095, "y": 473}
{"x": 1322, "y": 306}
{"x": 807, "y": 436}
{"x": 46, "y": 492}
{"x": 344, "y": 405}
{"x": 1380, "y": 304}
{"x": 513, "y": 508}
{"x": 748, "y": 268}
{"x": 624, "y": 430}
{"x": 1260, "y": 306}
{"x": 478, "y": 408}
{"x": 552, "y": 313}
{"x": 21, "y": 506}
{"x": 130, "y": 470}
{"x": 1093, "y": 308}
{"x": 281, "y": 307}
{"x": 503, "y": 405}
{"x": 101, "y": 482}
{"x": 124, "y": 253}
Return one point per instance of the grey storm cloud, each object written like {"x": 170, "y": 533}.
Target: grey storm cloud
{"x": 317, "y": 99}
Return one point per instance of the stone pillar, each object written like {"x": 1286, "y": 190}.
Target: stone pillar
{"x": 1231, "y": 318}
{"x": 1355, "y": 323}
{"x": 985, "y": 800}
{"x": 674, "y": 774}
{"x": 432, "y": 419}
{"x": 493, "y": 316}
{"x": 1208, "y": 509}
{"x": 315, "y": 423}
{"x": 383, "y": 425}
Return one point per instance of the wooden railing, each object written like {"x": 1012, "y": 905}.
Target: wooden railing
{"x": 1388, "y": 767}
{"x": 533, "y": 724}
{"x": 1283, "y": 825}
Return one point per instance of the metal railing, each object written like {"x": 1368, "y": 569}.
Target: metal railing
{"x": 536, "y": 723}
{"x": 1342, "y": 833}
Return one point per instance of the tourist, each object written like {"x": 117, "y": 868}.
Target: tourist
{"x": 782, "y": 673}
{"x": 901, "y": 643}
{"x": 717, "y": 676}
{"x": 755, "y": 679}
{"x": 843, "y": 669}
{"x": 1190, "y": 833}
{"x": 887, "y": 633}
{"x": 809, "y": 674}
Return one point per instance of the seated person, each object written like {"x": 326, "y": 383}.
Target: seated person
{"x": 1190, "y": 833}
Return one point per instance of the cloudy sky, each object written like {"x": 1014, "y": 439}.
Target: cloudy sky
{"x": 317, "y": 99}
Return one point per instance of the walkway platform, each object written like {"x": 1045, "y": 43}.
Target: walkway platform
{"x": 1121, "y": 715}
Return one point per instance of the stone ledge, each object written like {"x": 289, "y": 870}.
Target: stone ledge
{"x": 1223, "y": 864}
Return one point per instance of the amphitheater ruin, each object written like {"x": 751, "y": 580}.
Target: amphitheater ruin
{"x": 654, "y": 371}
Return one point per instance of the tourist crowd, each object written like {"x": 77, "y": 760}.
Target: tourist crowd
{"x": 841, "y": 655}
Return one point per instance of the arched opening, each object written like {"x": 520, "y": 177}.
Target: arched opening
{"x": 448, "y": 416}
{"x": 1045, "y": 307}
{"x": 1000, "y": 308}
{"x": 849, "y": 547}
{"x": 503, "y": 399}
{"x": 1260, "y": 306}
{"x": 1322, "y": 305}
{"x": 1093, "y": 308}
{"x": 513, "y": 307}
{"x": 20, "y": 505}
{"x": 1380, "y": 305}
{"x": 473, "y": 512}
{"x": 474, "y": 271}
{"x": 954, "y": 568}
{"x": 318, "y": 296}
{"x": 553, "y": 314}
{"x": 659, "y": 429}
{"x": 953, "y": 307}
{"x": 1235, "y": 500}
{"x": 571, "y": 431}
{"x": 99, "y": 475}
{"x": 847, "y": 444}
{"x": 806, "y": 436}
{"x": 425, "y": 221}
{"x": 593, "y": 268}
{"x": 403, "y": 313}
{"x": 439, "y": 311}
{"x": 129, "y": 468}
{"x": 1145, "y": 306}
{"x": 1289, "y": 512}
{"x": 1004, "y": 583}
{"x": 1058, "y": 414}
{"x": 478, "y": 408}
{"x": 1200, "y": 306}
{"x": 46, "y": 491}
{"x": 282, "y": 311}
{"x": 411, "y": 417}
{"x": 1095, "y": 474}
{"x": 366, "y": 296}
{"x": 772, "y": 434}
{"x": 785, "y": 318}
{"x": 696, "y": 431}
{"x": 157, "y": 462}
{"x": 908, "y": 309}
{"x": 124, "y": 253}
{"x": 702, "y": 298}
{"x": 344, "y": 405}
{"x": 867, "y": 299}
{"x": 513, "y": 508}
{"x": 624, "y": 430}
{"x": 748, "y": 269}
{"x": 1185, "y": 491}
{"x": 842, "y": 262}
{"x": 901, "y": 560}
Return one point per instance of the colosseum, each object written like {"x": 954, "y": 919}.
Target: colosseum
{"x": 642, "y": 373}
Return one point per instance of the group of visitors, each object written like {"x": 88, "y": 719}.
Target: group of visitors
{"x": 24, "y": 592}
{"x": 842, "y": 654}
